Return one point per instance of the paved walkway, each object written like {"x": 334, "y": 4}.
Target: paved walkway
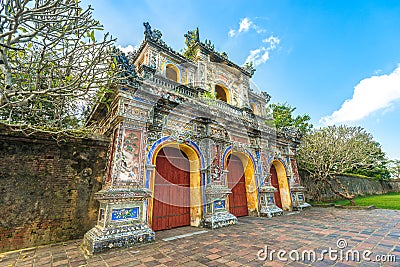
{"x": 315, "y": 229}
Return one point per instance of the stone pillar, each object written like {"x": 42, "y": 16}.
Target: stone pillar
{"x": 267, "y": 201}
{"x": 296, "y": 189}
{"x": 122, "y": 220}
{"x": 216, "y": 188}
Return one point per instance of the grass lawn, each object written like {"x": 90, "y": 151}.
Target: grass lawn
{"x": 388, "y": 201}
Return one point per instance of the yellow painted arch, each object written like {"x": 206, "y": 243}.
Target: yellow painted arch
{"x": 251, "y": 187}
{"x": 227, "y": 93}
{"x": 254, "y": 108}
{"x": 178, "y": 72}
{"x": 284, "y": 189}
{"x": 196, "y": 202}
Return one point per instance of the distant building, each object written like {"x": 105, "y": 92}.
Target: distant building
{"x": 191, "y": 144}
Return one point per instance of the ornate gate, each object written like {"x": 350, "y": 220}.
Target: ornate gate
{"x": 171, "y": 206}
{"x": 237, "y": 184}
{"x": 275, "y": 183}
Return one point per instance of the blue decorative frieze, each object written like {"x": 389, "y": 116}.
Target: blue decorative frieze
{"x": 268, "y": 207}
{"x": 101, "y": 239}
{"x": 298, "y": 198}
{"x": 125, "y": 214}
{"x": 219, "y": 204}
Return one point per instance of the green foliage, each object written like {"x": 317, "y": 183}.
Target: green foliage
{"x": 208, "y": 95}
{"x": 192, "y": 37}
{"x": 356, "y": 175}
{"x": 380, "y": 171}
{"x": 249, "y": 65}
{"x": 331, "y": 151}
{"x": 394, "y": 168}
{"x": 387, "y": 201}
{"x": 340, "y": 149}
{"x": 283, "y": 117}
{"x": 190, "y": 52}
{"x": 53, "y": 69}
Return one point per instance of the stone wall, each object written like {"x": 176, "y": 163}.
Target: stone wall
{"x": 47, "y": 188}
{"x": 357, "y": 186}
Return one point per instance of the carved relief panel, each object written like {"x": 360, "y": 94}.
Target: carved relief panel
{"x": 127, "y": 165}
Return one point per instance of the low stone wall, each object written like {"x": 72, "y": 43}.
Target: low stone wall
{"x": 357, "y": 186}
{"x": 47, "y": 188}
{"x": 394, "y": 185}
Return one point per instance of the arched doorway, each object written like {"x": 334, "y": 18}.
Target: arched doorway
{"x": 222, "y": 93}
{"x": 274, "y": 182}
{"x": 171, "y": 204}
{"x": 171, "y": 72}
{"x": 279, "y": 181}
{"x": 241, "y": 181}
{"x": 237, "y": 184}
{"x": 254, "y": 108}
{"x": 176, "y": 186}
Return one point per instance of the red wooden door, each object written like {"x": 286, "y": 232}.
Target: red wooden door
{"x": 275, "y": 183}
{"x": 171, "y": 206}
{"x": 237, "y": 184}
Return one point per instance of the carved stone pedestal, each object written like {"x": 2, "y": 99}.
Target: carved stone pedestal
{"x": 268, "y": 207}
{"x": 218, "y": 220}
{"x": 298, "y": 199}
{"x": 217, "y": 214}
{"x": 121, "y": 222}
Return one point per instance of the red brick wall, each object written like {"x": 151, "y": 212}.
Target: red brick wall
{"x": 47, "y": 188}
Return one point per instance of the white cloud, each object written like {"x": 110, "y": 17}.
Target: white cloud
{"x": 259, "y": 30}
{"x": 370, "y": 95}
{"x": 244, "y": 25}
{"x": 127, "y": 49}
{"x": 261, "y": 55}
{"x": 258, "y": 56}
{"x": 273, "y": 41}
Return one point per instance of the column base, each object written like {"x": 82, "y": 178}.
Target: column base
{"x": 301, "y": 206}
{"x": 101, "y": 239}
{"x": 218, "y": 220}
{"x": 271, "y": 211}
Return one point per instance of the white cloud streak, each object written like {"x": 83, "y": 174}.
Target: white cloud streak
{"x": 127, "y": 49}
{"x": 273, "y": 41}
{"x": 244, "y": 26}
{"x": 261, "y": 55}
{"x": 258, "y": 56}
{"x": 370, "y": 95}
{"x": 231, "y": 33}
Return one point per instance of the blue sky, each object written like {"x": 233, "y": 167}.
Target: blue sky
{"x": 338, "y": 61}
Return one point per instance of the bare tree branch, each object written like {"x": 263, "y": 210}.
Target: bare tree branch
{"x": 51, "y": 65}
{"x": 336, "y": 150}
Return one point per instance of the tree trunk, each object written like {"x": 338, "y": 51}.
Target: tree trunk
{"x": 352, "y": 202}
{"x": 345, "y": 194}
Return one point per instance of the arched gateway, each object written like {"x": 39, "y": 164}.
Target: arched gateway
{"x": 279, "y": 180}
{"x": 180, "y": 156}
{"x": 176, "y": 187}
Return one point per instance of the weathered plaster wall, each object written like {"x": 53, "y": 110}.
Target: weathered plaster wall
{"x": 47, "y": 188}
{"x": 356, "y": 185}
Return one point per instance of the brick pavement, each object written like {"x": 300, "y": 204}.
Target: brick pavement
{"x": 313, "y": 229}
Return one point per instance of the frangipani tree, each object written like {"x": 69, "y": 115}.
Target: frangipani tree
{"x": 52, "y": 68}
{"x": 329, "y": 152}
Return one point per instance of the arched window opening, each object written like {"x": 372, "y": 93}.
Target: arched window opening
{"x": 254, "y": 108}
{"x": 171, "y": 73}
{"x": 221, "y": 93}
